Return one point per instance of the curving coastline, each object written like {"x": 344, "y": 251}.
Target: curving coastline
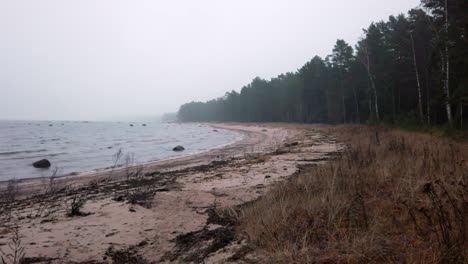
{"x": 174, "y": 198}
{"x": 249, "y": 137}
{"x": 76, "y": 148}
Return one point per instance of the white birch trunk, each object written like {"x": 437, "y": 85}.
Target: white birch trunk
{"x": 447, "y": 69}
{"x": 420, "y": 106}
{"x": 376, "y": 103}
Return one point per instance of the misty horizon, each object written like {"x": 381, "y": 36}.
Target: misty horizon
{"x": 123, "y": 118}
{"x": 119, "y": 61}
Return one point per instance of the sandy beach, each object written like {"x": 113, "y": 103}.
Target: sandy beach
{"x": 159, "y": 212}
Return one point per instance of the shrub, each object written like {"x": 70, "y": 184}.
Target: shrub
{"x": 74, "y": 206}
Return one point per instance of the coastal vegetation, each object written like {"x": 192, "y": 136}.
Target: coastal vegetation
{"x": 410, "y": 70}
{"x": 392, "y": 196}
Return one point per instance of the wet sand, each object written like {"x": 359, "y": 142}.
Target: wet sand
{"x": 163, "y": 212}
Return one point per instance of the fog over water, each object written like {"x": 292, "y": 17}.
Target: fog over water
{"x": 115, "y": 59}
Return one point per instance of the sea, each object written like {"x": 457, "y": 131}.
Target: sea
{"x": 80, "y": 146}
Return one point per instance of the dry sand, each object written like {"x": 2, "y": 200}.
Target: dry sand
{"x": 175, "y": 202}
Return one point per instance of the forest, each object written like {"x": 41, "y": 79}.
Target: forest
{"x": 411, "y": 69}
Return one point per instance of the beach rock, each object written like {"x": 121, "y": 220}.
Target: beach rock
{"x": 178, "y": 148}
{"x": 292, "y": 144}
{"x": 215, "y": 130}
{"x": 42, "y": 164}
{"x": 131, "y": 124}
{"x": 119, "y": 198}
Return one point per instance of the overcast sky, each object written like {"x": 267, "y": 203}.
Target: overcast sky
{"x": 112, "y": 59}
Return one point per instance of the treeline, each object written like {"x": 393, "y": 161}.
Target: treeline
{"x": 411, "y": 68}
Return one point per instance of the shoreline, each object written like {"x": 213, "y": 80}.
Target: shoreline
{"x": 32, "y": 183}
{"x": 148, "y": 215}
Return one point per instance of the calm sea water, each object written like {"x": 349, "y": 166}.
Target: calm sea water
{"x": 84, "y": 146}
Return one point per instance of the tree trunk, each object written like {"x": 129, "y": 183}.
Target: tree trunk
{"x": 369, "y": 101}
{"x": 358, "y": 116}
{"x": 376, "y": 103}
{"x": 327, "y": 95}
{"x": 394, "y": 104}
{"x": 399, "y": 98}
{"x": 447, "y": 69}
{"x": 428, "y": 90}
{"x": 445, "y": 88}
{"x": 461, "y": 116}
{"x": 343, "y": 105}
{"x": 420, "y": 105}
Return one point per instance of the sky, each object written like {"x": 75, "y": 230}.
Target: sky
{"x": 121, "y": 59}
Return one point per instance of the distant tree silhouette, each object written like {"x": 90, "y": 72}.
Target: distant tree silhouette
{"x": 410, "y": 68}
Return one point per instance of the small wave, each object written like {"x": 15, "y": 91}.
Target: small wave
{"x": 9, "y": 153}
{"x": 159, "y": 141}
{"x": 35, "y": 156}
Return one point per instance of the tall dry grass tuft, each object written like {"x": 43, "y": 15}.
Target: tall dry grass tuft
{"x": 393, "y": 196}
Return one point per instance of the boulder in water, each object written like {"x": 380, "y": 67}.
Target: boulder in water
{"x": 42, "y": 164}
{"x": 178, "y": 148}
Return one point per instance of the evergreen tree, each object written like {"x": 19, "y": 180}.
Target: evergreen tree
{"x": 412, "y": 67}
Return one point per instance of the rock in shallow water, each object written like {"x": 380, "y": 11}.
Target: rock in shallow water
{"x": 42, "y": 164}
{"x": 178, "y": 148}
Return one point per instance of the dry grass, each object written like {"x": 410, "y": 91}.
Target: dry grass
{"x": 393, "y": 196}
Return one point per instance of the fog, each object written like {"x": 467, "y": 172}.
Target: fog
{"x": 114, "y": 59}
